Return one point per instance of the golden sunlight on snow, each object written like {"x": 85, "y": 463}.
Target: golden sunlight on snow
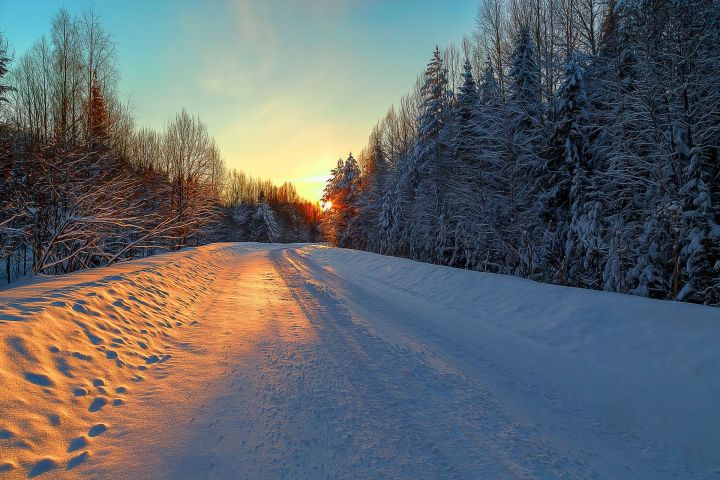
{"x": 77, "y": 355}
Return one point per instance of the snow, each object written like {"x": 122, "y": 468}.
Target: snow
{"x": 305, "y": 361}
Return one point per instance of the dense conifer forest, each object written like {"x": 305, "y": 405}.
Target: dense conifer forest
{"x": 567, "y": 141}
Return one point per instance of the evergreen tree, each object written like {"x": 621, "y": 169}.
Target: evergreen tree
{"x": 427, "y": 170}
{"x": 374, "y": 184}
{"x": 702, "y": 250}
{"x": 342, "y": 194}
{"x": 576, "y": 170}
{"x": 264, "y": 226}
{"x": 524, "y": 156}
{"x": 455, "y": 240}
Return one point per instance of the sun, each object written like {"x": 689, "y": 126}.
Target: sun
{"x": 326, "y": 205}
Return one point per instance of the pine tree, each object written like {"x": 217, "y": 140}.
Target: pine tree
{"x": 264, "y": 226}
{"x": 455, "y": 240}
{"x": 427, "y": 171}
{"x": 524, "y": 153}
{"x": 582, "y": 252}
{"x": 375, "y": 177}
{"x": 702, "y": 250}
{"x": 342, "y": 194}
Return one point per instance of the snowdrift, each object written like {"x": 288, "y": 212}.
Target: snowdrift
{"x": 74, "y": 346}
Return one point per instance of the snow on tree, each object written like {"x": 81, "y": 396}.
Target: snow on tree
{"x": 264, "y": 226}
{"x": 342, "y": 194}
{"x": 460, "y": 222}
{"x": 600, "y": 172}
{"x": 524, "y": 160}
{"x": 572, "y": 204}
{"x": 426, "y": 173}
{"x": 375, "y": 173}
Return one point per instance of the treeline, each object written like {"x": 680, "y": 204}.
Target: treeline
{"x": 81, "y": 186}
{"x": 568, "y": 141}
{"x": 260, "y": 211}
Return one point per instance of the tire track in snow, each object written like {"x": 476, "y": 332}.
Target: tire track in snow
{"x": 448, "y": 423}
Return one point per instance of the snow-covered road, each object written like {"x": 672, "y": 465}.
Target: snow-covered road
{"x": 272, "y": 361}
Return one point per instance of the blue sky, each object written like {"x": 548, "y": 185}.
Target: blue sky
{"x": 286, "y": 87}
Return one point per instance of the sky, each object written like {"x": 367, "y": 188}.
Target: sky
{"x": 285, "y": 87}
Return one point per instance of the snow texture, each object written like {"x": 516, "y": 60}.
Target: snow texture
{"x": 304, "y": 361}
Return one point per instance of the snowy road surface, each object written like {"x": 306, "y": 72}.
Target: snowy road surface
{"x": 301, "y": 362}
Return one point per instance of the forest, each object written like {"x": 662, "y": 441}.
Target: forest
{"x": 574, "y": 142}
{"x": 81, "y": 185}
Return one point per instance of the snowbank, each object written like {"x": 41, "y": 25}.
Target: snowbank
{"x": 73, "y": 346}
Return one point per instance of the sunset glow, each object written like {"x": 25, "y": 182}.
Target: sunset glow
{"x": 285, "y": 87}
{"x": 372, "y": 239}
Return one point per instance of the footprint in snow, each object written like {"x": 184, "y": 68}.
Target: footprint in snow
{"x": 82, "y": 356}
{"x": 77, "y": 460}
{"x": 98, "y": 429}
{"x": 97, "y": 404}
{"x": 39, "y": 379}
{"x": 77, "y": 444}
{"x": 42, "y": 466}
{"x": 54, "y": 419}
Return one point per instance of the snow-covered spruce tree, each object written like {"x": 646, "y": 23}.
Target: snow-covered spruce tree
{"x": 581, "y": 226}
{"x": 524, "y": 157}
{"x": 390, "y": 223}
{"x": 426, "y": 174}
{"x": 702, "y": 248}
{"x": 458, "y": 229}
{"x": 693, "y": 34}
{"x": 350, "y": 189}
{"x": 475, "y": 168}
{"x": 674, "y": 110}
{"x": 375, "y": 173}
{"x": 342, "y": 193}
{"x": 264, "y": 226}
{"x": 614, "y": 112}
{"x": 329, "y": 223}
{"x": 493, "y": 249}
